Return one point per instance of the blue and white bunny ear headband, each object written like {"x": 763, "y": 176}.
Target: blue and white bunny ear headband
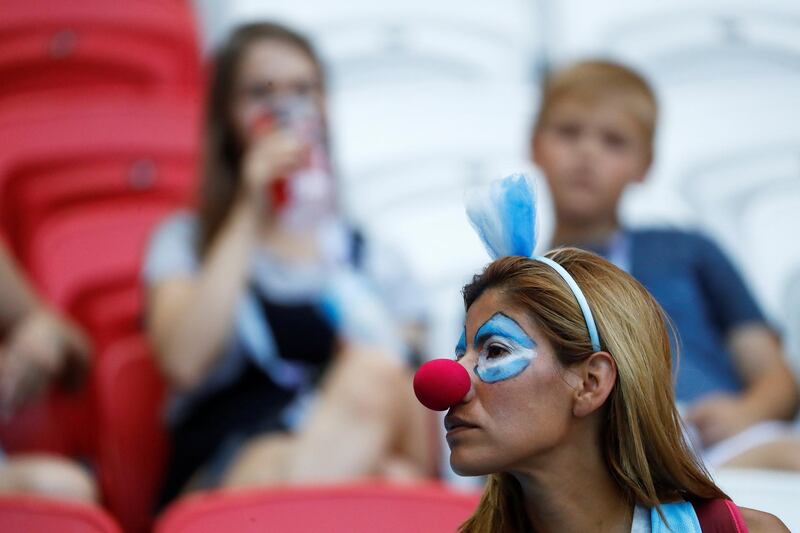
{"x": 505, "y": 219}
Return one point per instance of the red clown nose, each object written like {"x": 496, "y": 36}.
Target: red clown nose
{"x": 441, "y": 383}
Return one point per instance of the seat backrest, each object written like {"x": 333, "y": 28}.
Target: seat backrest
{"x": 36, "y": 514}
{"x": 484, "y": 39}
{"x": 87, "y": 262}
{"x": 132, "y": 441}
{"x": 134, "y": 48}
{"x": 60, "y": 423}
{"x": 352, "y": 509}
{"x": 61, "y": 153}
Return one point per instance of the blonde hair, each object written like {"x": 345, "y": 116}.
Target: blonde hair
{"x": 643, "y": 441}
{"x": 593, "y": 82}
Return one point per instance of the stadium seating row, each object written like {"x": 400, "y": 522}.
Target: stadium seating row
{"x": 341, "y": 509}
{"x": 99, "y": 131}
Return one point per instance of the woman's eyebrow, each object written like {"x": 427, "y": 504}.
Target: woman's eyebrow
{"x": 504, "y": 326}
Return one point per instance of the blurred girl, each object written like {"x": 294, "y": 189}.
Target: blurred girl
{"x": 284, "y": 366}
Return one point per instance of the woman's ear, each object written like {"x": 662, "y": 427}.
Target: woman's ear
{"x": 598, "y": 374}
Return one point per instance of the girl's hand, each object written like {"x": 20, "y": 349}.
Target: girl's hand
{"x": 272, "y": 155}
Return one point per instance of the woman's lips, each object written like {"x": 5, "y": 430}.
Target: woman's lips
{"x": 454, "y": 424}
{"x": 458, "y": 429}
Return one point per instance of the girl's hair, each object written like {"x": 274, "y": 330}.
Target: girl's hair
{"x": 222, "y": 149}
{"x": 642, "y": 438}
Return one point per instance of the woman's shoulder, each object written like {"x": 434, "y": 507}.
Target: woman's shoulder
{"x": 713, "y": 512}
{"x": 761, "y": 522}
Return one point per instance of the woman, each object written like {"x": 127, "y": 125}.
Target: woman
{"x": 258, "y": 307}
{"x": 570, "y": 410}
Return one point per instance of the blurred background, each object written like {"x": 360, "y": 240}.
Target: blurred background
{"x": 100, "y": 116}
{"x": 428, "y": 98}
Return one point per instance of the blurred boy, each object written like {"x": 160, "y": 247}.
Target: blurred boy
{"x": 594, "y": 137}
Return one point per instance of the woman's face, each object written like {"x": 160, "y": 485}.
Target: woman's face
{"x": 519, "y": 406}
{"x": 273, "y": 74}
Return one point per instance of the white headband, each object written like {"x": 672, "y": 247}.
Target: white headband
{"x": 505, "y": 219}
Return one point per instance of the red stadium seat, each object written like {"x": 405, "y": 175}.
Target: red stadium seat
{"x": 140, "y": 47}
{"x": 55, "y": 157}
{"x": 58, "y": 424}
{"x": 344, "y": 509}
{"x": 88, "y": 261}
{"x": 132, "y": 441}
{"x": 41, "y": 515}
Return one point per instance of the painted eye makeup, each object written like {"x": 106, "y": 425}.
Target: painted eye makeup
{"x": 461, "y": 347}
{"x": 505, "y": 349}
{"x": 495, "y": 350}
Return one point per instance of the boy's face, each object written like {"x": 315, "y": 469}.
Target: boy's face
{"x": 589, "y": 153}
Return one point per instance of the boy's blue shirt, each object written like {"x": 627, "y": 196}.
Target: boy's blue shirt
{"x": 704, "y": 296}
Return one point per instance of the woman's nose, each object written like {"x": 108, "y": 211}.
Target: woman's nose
{"x": 472, "y": 377}
{"x": 441, "y": 383}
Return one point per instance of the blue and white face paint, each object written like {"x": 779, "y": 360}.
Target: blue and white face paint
{"x": 505, "y": 349}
